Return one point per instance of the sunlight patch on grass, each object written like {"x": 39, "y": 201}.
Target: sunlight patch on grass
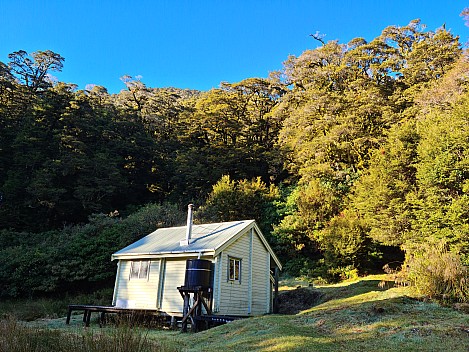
{"x": 360, "y": 298}
{"x": 290, "y": 343}
{"x": 292, "y": 283}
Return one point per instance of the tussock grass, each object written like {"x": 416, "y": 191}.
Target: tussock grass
{"x": 18, "y": 337}
{"x": 438, "y": 273}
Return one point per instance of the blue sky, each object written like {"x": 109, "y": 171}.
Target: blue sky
{"x": 198, "y": 44}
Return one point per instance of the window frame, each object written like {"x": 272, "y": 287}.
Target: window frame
{"x": 231, "y": 274}
{"x": 141, "y": 272}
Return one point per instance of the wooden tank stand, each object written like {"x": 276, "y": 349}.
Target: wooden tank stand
{"x": 194, "y": 313}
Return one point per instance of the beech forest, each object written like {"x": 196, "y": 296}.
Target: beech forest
{"x": 353, "y": 159}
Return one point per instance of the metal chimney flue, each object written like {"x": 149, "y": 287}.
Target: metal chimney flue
{"x": 187, "y": 241}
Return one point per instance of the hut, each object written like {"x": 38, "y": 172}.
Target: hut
{"x": 243, "y": 269}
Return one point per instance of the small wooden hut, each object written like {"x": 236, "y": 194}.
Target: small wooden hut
{"x": 243, "y": 278}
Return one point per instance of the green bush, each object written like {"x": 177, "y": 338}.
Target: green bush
{"x": 232, "y": 200}
{"x": 342, "y": 273}
{"x": 75, "y": 258}
{"x": 323, "y": 273}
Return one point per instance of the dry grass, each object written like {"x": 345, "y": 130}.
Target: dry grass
{"x": 438, "y": 273}
{"x": 16, "y": 336}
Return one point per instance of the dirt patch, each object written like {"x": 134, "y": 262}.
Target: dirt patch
{"x": 294, "y": 301}
{"x": 462, "y": 307}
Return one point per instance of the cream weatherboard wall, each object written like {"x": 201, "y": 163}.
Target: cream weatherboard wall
{"x": 261, "y": 286}
{"x": 136, "y": 293}
{"x": 158, "y": 291}
{"x": 233, "y": 294}
{"x": 251, "y": 294}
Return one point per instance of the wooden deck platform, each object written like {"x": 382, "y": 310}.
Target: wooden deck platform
{"x": 173, "y": 320}
{"x": 103, "y": 310}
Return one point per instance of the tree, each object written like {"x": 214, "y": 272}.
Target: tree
{"x": 465, "y": 15}
{"x": 308, "y": 209}
{"x": 441, "y": 200}
{"x": 136, "y": 95}
{"x": 240, "y": 200}
{"x": 380, "y": 195}
{"x": 345, "y": 244}
{"x": 348, "y": 126}
{"x": 443, "y": 93}
{"x": 228, "y": 131}
{"x": 32, "y": 71}
{"x": 70, "y": 154}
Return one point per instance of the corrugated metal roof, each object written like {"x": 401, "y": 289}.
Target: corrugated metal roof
{"x": 205, "y": 238}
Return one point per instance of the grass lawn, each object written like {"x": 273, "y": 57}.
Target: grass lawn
{"x": 356, "y": 316}
{"x": 353, "y": 316}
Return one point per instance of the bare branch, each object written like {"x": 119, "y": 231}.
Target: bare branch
{"x": 319, "y": 37}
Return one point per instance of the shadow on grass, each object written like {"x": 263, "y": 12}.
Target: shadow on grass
{"x": 305, "y": 298}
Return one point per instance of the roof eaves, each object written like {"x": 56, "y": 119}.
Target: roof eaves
{"x": 161, "y": 254}
{"x": 235, "y": 237}
{"x": 251, "y": 224}
{"x": 266, "y": 244}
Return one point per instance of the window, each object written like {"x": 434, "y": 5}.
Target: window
{"x": 139, "y": 270}
{"x": 234, "y": 269}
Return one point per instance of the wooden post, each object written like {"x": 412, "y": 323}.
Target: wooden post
{"x": 185, "y": 311}
{"x": 69, "y": 315}
{"x": 195, "y": 312}
{"x": 173, "y": 322}
{"x": 198, "y": 312}
{"x": 101, "y": 318}
{"x": 210, "y": 301}
{"x": 87, "y": 318}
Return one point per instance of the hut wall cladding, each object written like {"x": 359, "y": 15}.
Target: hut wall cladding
{"x": 233, "y": 295}
{"x": 143, "y": 292}
{"x": 260, "y": 281}
{"x": 175, "y": 272}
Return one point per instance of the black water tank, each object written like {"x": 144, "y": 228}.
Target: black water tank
{"x": 198, "y": 273}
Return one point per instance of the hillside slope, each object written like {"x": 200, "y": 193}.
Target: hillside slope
{"x": 358, "y": 316}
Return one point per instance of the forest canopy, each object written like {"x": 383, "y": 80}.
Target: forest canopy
{"x": 355, "y": 155}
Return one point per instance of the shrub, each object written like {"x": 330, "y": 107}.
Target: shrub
{"x": 344, "y": 242}
{"x": 232, "y": 200}
{"x": 320, "y": 272}
{"x": 343, "y": 273}
{"x": 438, "y": 273}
